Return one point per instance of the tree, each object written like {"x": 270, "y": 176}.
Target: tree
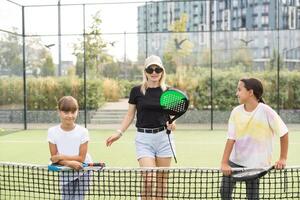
{"x": 10, "y": 55}
{"x": 242, "y": 57}
{"x": 48, "y": 68}
{"x": 95, "y": 50}
{"x": 38, "y": 58}
{"x": 111, "y": 70}
{"x": 272, "y": 64}
{"x": 205, "y": 58}
{"x": 179, "y": 47}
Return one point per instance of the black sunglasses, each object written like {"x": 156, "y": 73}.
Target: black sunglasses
{"x": 157, "y": 70}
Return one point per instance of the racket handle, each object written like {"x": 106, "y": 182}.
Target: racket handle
{"x": 170, "y": 122}
{"x": 100, "y": 164}
{"x": 168, "y": 131}
{"x": 54, "y": 168}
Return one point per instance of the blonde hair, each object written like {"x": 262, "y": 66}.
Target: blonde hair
{"x": 162, "y": 82}
{"x": 153, "y": 60}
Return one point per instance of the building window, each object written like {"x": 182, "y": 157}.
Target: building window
{"x": 266, "y": 8}
{"x": 221, "y": 5}
{"x": 256, "y": 9}
{"x": 292, "y": 17}
{"x": 265, "y": 53}
{"x": 235, "y": 3}
{"x": 243, "y": 22}
{"x": 266, "y": 42}
{"x": 265, "y": 20}
{"x": 235, "y": 13}
{"x": 298, "y": 20}
{"x": 255, "y": 20}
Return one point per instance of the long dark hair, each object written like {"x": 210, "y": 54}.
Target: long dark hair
{"x": 255, "y": 85}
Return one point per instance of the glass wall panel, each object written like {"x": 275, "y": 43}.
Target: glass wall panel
{"x": 11, "y": 83}
{"x": 11, "y": 17}
{"x": 41, "y": 20}
{"x": 72, "y": 19}
{"x": 117, "y": 22}
{"x": 206, "y": 47}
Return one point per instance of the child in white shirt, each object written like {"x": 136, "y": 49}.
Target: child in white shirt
{"x": 68, "y": 144}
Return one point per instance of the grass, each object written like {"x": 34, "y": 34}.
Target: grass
{"x": 195, "y": 148}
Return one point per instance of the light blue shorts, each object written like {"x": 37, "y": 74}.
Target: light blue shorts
{"x": 154, "y": 145}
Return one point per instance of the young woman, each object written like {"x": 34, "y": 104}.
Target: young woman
{"x": 152, "y": 145}
{"x": 251, "y": 129}
{"x": 68, "y": 144}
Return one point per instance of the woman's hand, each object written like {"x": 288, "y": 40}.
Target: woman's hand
{"x": 171, "y": 127}
{"x": 112, "y": 139}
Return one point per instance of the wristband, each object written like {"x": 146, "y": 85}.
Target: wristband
{"x": 120, "y": 132}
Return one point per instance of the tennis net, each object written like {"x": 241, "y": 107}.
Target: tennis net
{"x": 23, "y": 181}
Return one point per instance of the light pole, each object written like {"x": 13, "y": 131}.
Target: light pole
{"x": 125, "y": 47}
{"x": 125, "y": 66}
{"x": 284, "y": 55}
{"x": 59, "y": 39}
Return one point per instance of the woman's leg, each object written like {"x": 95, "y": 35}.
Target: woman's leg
{"x": 148, "y": 177}
{"x": 162, "y": 177}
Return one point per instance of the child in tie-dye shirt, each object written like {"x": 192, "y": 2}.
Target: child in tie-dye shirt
{"x": 251, "y": 129}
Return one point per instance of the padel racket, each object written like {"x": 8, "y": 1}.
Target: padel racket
{"x": 175, "y": 103}
{"x": 56, "y": 168}
{"x": 250, "y": 174}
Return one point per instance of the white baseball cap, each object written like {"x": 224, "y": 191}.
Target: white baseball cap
{"x": 153, "y": 60}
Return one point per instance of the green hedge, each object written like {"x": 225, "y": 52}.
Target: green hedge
{"x": 197, "y": 84}
{"x": 43, "y": 93}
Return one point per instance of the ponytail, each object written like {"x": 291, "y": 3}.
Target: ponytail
{"x": 261, "y": 100}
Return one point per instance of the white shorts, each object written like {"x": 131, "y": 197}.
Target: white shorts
{"x": 154, "y": 145}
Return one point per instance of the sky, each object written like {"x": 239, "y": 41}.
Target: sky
{"x": 118, "y": 19}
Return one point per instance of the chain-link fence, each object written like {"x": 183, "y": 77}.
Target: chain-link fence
{"x": 95, "y": 52}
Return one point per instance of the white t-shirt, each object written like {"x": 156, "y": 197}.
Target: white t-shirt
{"x": 254, "y": 133}
{"x": 68, "y": 142}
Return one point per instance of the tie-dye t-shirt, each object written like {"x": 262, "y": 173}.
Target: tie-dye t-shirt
{"x": 253, "y": 133}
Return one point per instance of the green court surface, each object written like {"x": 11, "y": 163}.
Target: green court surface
{"x": 195, "y": 148}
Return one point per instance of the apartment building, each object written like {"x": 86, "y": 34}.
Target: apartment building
{"x": 262, "y": 26}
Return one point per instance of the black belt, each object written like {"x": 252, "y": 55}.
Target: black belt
{"x": 151, "y": 130}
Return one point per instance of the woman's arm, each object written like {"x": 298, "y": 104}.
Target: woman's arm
{"x": 129, "y": 117}
{"x": 225, "y": 168}
{"x": 284, "y": 143}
